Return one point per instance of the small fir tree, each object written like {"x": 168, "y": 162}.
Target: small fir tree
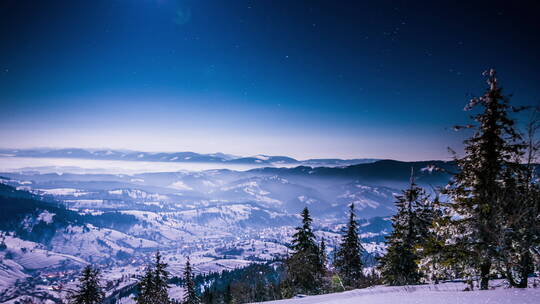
{"x": 348, "y": 262}
{"x": 323, "y": 258}
{"x": 160, "y": 280}
{"x": 399, "y": 266}
{"x": 145, "y": 288}
{"x": 305, "y": 271}
{"x": 89, "y": 290}
{"x": 190, "y": 294}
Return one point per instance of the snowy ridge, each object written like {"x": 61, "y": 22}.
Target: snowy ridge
{"x": 91, "y": 154}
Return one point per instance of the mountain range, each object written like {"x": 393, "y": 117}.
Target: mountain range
{"x": 187, "y": 157}
{"x": 54, "y": 223}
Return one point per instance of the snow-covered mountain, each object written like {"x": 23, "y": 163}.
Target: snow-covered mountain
{"x": 53, "y": 223}
{"x": 327, "y": 191}
{"x": 187, "y": 157}
{"x": 43, "y": 245}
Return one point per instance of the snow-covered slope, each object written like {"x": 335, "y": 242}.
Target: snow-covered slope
{"x": 222, "y": 219}
{"x": 447, "y": 293}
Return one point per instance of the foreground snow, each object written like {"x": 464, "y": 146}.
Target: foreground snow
{"x": 448, "y": 293}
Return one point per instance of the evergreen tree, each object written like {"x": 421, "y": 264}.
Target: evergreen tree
{"x": 475, "y": 191}
{"x": 437, "y": 261}
{"x": 305, "y": 271}
{"x": 323, "y": 258}
{"x": 160, "y": 281}
{"x": 145, "y": 288}
{"x": 304, "y": 238}
{"x": 89, "y": 290}
{"x": 190, "y": 294}
{"x": 348, "y": 261}
{"x": 153, "y": 286}
{"x": 520, "y": 211}
{"x": 410, "y": 228}
{"x": 325, "y": 273}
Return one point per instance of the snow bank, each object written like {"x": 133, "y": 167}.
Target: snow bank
{"x": 448, "y": 293}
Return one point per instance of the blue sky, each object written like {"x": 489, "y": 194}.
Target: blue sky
{"x": 299, "y": 78}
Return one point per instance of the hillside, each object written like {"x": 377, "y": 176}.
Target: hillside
{"x": 44, "y": 244}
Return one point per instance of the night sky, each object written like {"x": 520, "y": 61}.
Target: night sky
{"x": 384, "y": 79}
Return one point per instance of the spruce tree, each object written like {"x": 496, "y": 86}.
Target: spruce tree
{"x": 475, "y": 191}
{"x": 399, "y": 266}
{"x": 304, "y": 238}
{"x": 305, "y": 271}
{"x": 436, "y": 261}
{"x": 89, "y": 290}
{"x": 160, "y": 281}
{"x": 145, "y": 288}
{"x": 153, "y": 286}
{"x": 322, "y": 251}
{"x": 520, "y": 211}
{"x": 348, "y": 262}
{"x": 190, "y": 294}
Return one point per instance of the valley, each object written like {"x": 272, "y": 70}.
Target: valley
{"x": 223, "y": 219}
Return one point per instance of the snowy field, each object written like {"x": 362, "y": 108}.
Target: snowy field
{"x": 448, "y": 293}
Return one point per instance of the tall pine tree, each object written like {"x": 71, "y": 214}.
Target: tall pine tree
{"x": 399, "y": 266}
{"x": 161, "y": 279}
{"x": 305, "y": 270}
{"x": 145, "y": 288}
{"x": 475, "y": 191}
{"x": 89, "y": 290}
{"x": 348, "y": 259}
{"x": 153, "y": 286}
{"x": 190, "y": 294}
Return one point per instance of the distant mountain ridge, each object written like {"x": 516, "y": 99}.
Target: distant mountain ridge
{"x": 327, "y": 190}
{"x": 431, "y": 172}
{"x": 187, "y": 157}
